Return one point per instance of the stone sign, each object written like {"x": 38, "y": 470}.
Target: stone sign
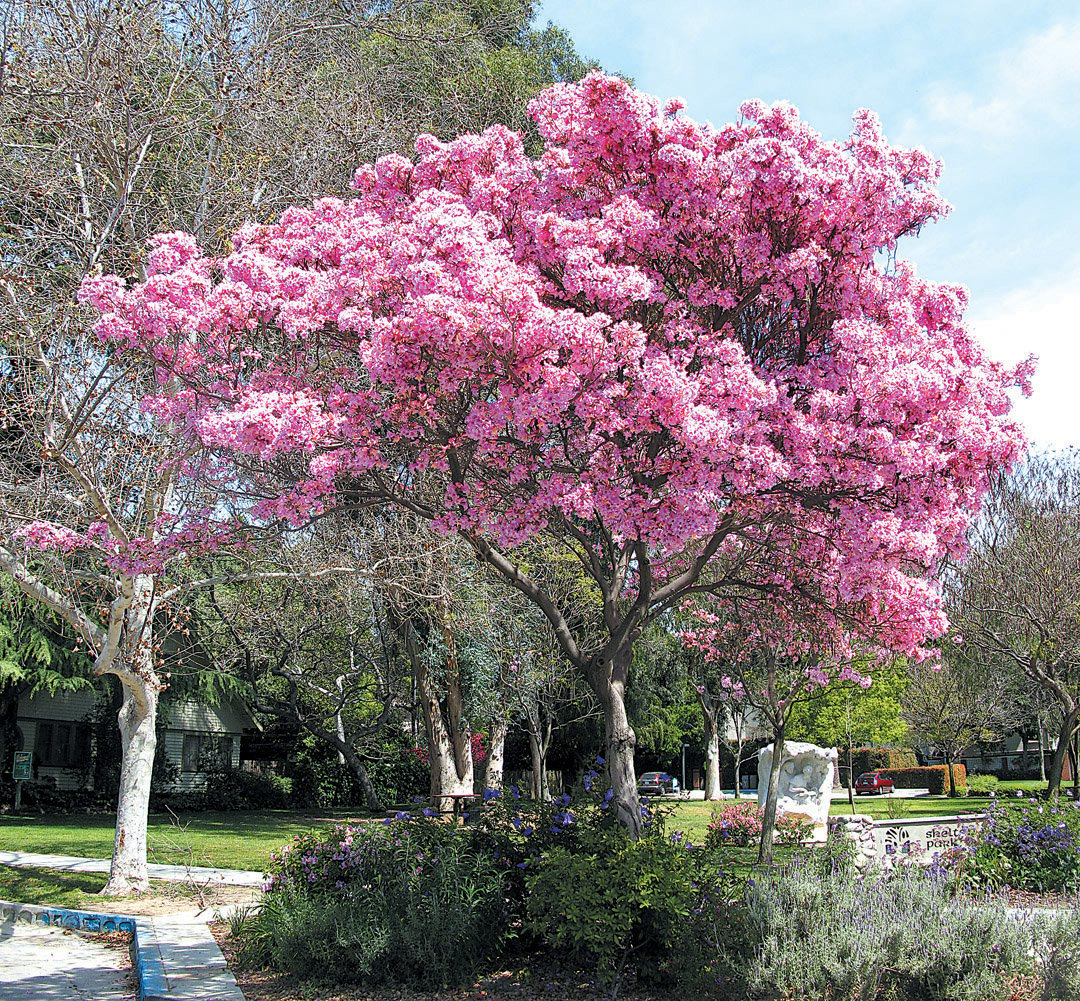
{"x": 921, "y": 838}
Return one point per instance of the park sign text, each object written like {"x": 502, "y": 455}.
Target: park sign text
{"x": 920, "y": 839}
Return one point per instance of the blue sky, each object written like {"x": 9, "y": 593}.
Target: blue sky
{"x": 991, "y": 88}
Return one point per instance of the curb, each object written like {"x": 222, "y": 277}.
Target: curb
{"x": 149, "y": 967}
{"x": 148, "y": 963}
{"x": 62, "y": 917}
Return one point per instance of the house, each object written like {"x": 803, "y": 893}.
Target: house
{"x": 194, "y": 738}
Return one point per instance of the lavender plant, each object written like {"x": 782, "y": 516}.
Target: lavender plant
{"x": 811, "y": 935}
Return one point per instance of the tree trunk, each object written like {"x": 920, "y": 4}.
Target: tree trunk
{"x": 768, "y": 821}
{"x": 450, "y": 773}
{"x": 1042, "y": 752}
{"x": 712, "y": 760}
{"x": 363, "y": 777}
{"x": 608, "y": 682}
{"x": 138, "y": 740}
{"x": 1074, "y": 761}
{"x": 851, "y": 774}
{"x": 712, "y": 744}
{"x": 1057, "y": 763}
{"x": 493, "y": 767}
{"x": 132, "y": 661}
{"x": 949, "y": 773}
{"x": 740, "y": 722}
{"x": 538, "y": 756}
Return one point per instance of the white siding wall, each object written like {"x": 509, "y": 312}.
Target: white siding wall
{"x": 186, "y": 718}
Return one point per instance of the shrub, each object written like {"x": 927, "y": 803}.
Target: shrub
{"x": 1058, "y": 947}
{"x": 932, "y": 777}
{"x": 739, "y": 823}
{"x": 802, "y": 934}
{"x": 237, "y": 790}
{"x": 1028, "y": 844}
{"x": 410, "y": 901}
{"x": 982, "y": 785}
{"x": 623, "y": 905}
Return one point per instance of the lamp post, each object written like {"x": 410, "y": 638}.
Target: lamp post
{"x": 684, "y": 747}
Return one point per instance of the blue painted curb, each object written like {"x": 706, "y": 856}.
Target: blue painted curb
{"x": 62, "y": 917}
{"x": 146, "y": 957}
{"x": 153, "y": 984}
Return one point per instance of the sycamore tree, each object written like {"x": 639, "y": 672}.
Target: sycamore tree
{"x": 958, "y": 703}
{"x": 671, "y": 350}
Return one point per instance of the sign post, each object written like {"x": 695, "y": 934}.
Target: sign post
{"x": 20, "y": 772}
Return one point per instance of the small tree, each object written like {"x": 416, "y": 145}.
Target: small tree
{"x": 1016, "y": 597}
{"x": 954, "y": 704}
{"x": 846, "y": 714}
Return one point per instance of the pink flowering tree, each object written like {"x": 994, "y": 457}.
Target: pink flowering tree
{"x": 95, "y": 527}
{"x": 668, "y": 348}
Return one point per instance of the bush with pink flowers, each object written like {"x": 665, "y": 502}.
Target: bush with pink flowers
{"x": 738, "y": 823}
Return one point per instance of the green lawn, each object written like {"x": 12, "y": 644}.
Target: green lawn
{"x": 230, "y": 840}
{"x": 81, "y": 890}
{"x": 244, "y": 840}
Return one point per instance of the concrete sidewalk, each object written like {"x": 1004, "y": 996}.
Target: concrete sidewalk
{"x": 174, "y": 957}
{"x": 175, "y": 873}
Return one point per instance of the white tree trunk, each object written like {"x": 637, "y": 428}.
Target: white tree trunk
{"x": 133, "y": 664}
{"x": 449, "y": 740}
{"x": 712, "y": 759}
{"x": 138, "y": 740}
{"x": 493, "y": 767}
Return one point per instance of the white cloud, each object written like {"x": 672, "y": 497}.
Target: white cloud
{"x": 1031, "y": 85}
{"x": 1043, "y": 319}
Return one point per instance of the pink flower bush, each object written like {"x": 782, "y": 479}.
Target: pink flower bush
{"x": 739, "y": 822}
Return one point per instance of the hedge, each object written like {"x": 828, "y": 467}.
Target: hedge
{"x": 873, "y": 759}
{"x": 932, "y": 777}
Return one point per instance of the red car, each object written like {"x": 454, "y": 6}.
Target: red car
{"x": 873, "y": 782}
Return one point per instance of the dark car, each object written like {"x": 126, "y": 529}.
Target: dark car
{"x": 873, "y": 782}
{"x": 657, "y": 783}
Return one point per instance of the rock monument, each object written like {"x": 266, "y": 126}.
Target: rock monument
{"x": 806, "y": 781}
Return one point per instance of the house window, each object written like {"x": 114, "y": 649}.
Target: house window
{"x": 207, "y": 752}
{"x": 62, "y": 744}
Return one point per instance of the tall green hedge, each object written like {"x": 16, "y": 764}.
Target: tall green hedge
{"x": 932, "y": 777}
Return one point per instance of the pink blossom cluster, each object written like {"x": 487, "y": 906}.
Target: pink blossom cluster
{"x": 658, "y": 329}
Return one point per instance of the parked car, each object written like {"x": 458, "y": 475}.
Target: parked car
{"x": 873, "y": 782}
{"x": 657, "y": 783}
